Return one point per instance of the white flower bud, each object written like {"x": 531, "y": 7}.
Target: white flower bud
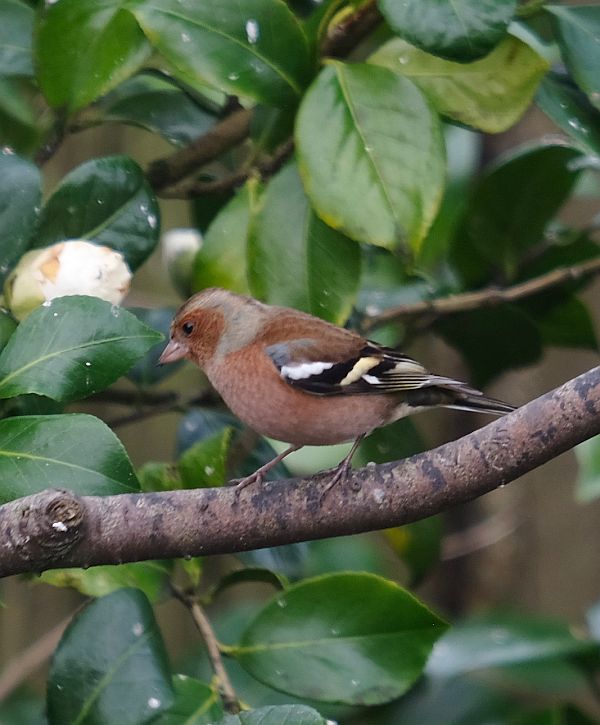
{"x": 179, "y": 247}
{"x": 73, "y": 267}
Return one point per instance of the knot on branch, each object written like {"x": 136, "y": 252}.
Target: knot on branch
{"x": 47, "y": 525}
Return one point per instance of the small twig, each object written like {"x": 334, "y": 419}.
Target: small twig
{"x": 228, "y": 133}
{"x": 27, "y": 662}
{"x": 264, "y": 169}
{"x": 171, "y": 405}
{"x": 344, "y": 37}
{"x": 133, "y": 397}
{"x": 489, "y": 297}
{"x": 224, "y": 686}
{"x": 479, "y": 536}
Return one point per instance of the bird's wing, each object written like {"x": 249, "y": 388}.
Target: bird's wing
{"x": 369, "y": 368}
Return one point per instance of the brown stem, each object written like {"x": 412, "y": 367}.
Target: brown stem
{"x": 489, "y": 297}
{"x": 264, "y": 169}
{"x": 345, "y": 36}
{"x": 57, "y": 528}
{"x": 224, "y": 686}
{"x": 231, "y": 131}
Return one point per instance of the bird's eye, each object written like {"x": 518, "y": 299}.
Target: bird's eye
{"x": 187, "y": 328}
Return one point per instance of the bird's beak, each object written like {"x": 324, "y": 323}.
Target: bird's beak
{"x": 173, "y": 351}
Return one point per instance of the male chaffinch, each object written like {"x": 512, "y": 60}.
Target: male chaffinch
{"x": 299, "y": 379}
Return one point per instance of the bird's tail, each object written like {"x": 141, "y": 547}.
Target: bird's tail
{"x": 461, "y": 396}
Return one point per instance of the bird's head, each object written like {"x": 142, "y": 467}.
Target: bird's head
{"x": 214, "y": 318}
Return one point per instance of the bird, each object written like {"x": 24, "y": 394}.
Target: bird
{"x": 299, "y": 379}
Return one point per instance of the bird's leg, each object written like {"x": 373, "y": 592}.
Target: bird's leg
{"x": 341, "y": 471}
{"x": 259, "y": 474}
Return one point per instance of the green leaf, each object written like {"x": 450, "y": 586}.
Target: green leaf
{"x": 196, "y": 703}
{"x": 19, "y": 128}
{"x": 249, "y": 575}
{"x": 353, "y": 638}
{"x": 374, "y": 127}
{"x": 20, "y": 196}
{"x": 490, "y": 94}
{"x": 204, "y": 464}
{"x": 147, "y": 371}
{"x": 570, "y": 110}
{"x": 510, "y": 209}
{"x": 221, "y": 261}
{"x": 499, "y": 640}
{"x": 107, "y": 201}
{"x": 16, "y": 30}
{"x": 492, "y": 340}
{"x": 111, "y": 665}
{"x": 159, "y": 108}
{"x": 84, "y": 49}
{"x": 588, "y": 479}
{"x": 277, "y": 715}
{"x": 71, "y": 348}
{"x": 252, "y": 48}
{"x": 578, "y": 31}
{"x": 562, "y": 320}
{"x": 148, "y": 576}
{"x": 460, "y": 30}
{"x": 75, "y": 451}
{"x": 322, "y": 268}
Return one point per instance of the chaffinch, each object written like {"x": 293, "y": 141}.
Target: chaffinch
{"x": 301, "y": 380}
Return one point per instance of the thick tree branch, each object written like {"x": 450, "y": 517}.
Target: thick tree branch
{"x": 489, "y": 297}
{"x": 60, "y": 529}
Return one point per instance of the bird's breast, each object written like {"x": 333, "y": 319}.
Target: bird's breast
{"x": 251, "y": 387}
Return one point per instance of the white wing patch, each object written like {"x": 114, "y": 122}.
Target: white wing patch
{"x": 301, "y": 371}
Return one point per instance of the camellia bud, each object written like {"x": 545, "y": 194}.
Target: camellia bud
{"x": 179, "y": 247}
{"x": 73, "y": 267}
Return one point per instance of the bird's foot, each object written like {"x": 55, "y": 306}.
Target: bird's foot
{"x": 339, "y": 474}
{"x": 254, "y": 478}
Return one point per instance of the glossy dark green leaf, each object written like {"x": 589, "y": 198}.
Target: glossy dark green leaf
{"x": 107, "y": 201}
{"x": 397, "y": 440}
{"x": 16, "y": 30}
{"x": 19, "y": 127}
{"x": 252, "y": 48}
{"x": 500, "y": 640}
{"x": 204, "y": 464}
{"x": 360, "y": 553}
{"x": 510, "y": 209}
{"x": 111, "y": 665}
{"x": 270, "y": 127}
{"x": 222, "y": 260}
{"x": 570, "y": 110}
{"x": 289, "y": 560}
{"x": 418, "y": 545}
{"x": 563, "y": 320}
{"x": 23, "y": 708}
{"x": 20, "y": 196}
{"x": 461, "y": 30}
{"x": 196, "y": 703}
{"x": 277, "y": 715}
{"x": 149, "y": 577}
{"x": 158, "y": 107}
{"x": 83, "y": 50}
{"x": 492, "y": 340}
{"x": 71, "y": 348}
{"x": 322, "y": 268}
{"x": 147, "y": 371}
{"x": 490, "y": 94}
{"x": 588, "y": 477}
{"x": 250, "y": 575}
{"x": 578, "y": 30}
{"x": 7, "y": 327}
{"x": 352, "y": 638}
{"x": 75, "y": 451}
{"x": 374, "y": 127}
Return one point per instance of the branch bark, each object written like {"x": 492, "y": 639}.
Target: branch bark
{"x": 57, "y": 528}
{"x": 489, "y": 297}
